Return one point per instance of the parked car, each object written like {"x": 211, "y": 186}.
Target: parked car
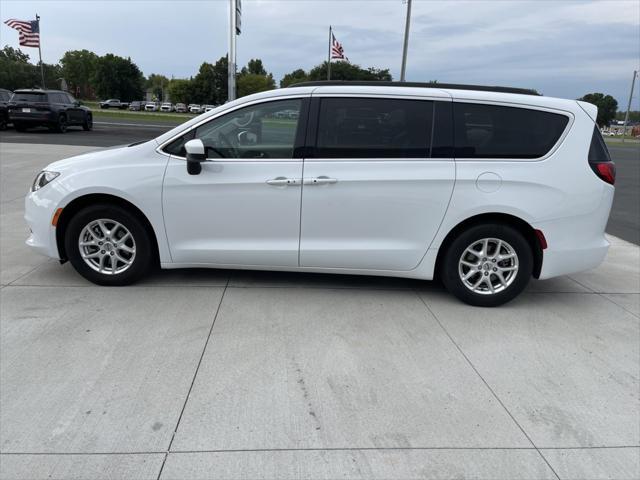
{"x": 5, "y": 95}
{"x": 51, "y": 108}
{"x": 166, "y": 107}
{"x": 194, "y": 108}
{"x": 114, "y": 103}
{"x": 207, "y": 108}
{"x": 137, "y": 106}
{"x": 181, "y": 108}
{"x": 151, "y": 107}
{"x": 480, "y": 186}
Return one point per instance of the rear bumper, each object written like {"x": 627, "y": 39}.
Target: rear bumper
{"x": 578, "y": 243}
{"x": 33, "y": 117}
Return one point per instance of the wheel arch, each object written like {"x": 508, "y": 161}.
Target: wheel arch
{"x": 516, "y": 222}
{"x": 83, "y": 201}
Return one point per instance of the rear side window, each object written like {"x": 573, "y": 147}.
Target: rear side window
{"x": 598, "y": 151}
{"x": 374, "y": 128}
{"x": 491, "y": 131}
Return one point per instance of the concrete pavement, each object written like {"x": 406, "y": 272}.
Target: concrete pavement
{"x": 227, "y": 374}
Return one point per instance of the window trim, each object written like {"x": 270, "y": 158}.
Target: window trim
{"x": 552, "y": 150}
{"x": 298, "y": 146}
{"x": 314, "y": 119}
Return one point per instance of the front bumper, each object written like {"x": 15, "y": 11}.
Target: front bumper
{"x": 38, "y": 213}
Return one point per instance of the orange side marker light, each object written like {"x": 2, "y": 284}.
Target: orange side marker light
{"x": 56, "y": 216}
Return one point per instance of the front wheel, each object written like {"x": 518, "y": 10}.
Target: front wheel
{"x": 108, "y": 245}
{"x": 487, "y": 265}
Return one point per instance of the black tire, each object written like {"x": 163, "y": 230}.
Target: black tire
{"x": 141, "y": 261}
{"x": 61, "y": 125}
{"x": 449, "y": 267}
{"x": 3, "y": 122}
{"x": 87, "y": 125}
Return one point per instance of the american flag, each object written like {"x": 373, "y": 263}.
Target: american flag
{"x": 29, "y": 31}
{"x": 337, "y": 51}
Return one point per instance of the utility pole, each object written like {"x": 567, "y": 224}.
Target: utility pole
{"x": 406, "y": 42}
{"x": 231, "y": 72}
{"x": 626, "y": 116}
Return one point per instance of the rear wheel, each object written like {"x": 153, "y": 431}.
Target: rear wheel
{"x": 487, "y": 265}
{"x": 3, "y": 122}
{"x": 61, "y": 125}
{"x": 87, "y": 125}
{"x": 108, "y": 245}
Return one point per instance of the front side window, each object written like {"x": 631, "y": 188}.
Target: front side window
{"x": 374, "y": 128}
{"x": 266, "y": 130}
{"x": 492, "y": 131}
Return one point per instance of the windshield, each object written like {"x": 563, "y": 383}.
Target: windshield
{"x": 29, "y": 97}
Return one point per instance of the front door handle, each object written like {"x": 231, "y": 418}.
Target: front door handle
{"x": 320, "y": 181}
{"x": 283, "y": 181}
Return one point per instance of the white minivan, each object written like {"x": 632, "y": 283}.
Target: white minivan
{"x": 484, "y": 187}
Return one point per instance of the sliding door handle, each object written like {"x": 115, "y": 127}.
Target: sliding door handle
{"x": 320, "y": 181}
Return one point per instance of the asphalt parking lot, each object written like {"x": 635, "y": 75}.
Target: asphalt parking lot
{"x": 227, "y": 374}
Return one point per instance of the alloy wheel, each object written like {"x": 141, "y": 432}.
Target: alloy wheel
{"x": 488, "y": 266}
{"x": 107, "y": 246}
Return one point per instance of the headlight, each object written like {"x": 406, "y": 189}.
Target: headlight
{"x": 42, "y": 179}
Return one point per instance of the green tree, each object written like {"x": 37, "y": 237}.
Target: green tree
{"x": 296, "y": 76}
{"x": 78, "y": 69}
{"x": 209, "y": 86}
{"x": 254, "y": 67}
{"x": 17, "y": 72}
{"x": 157, "y": 84}
{"x": 607, "y": 107}
{"x": 253, "y": 83}
{"x": 349, "y": 71}
{"x": 118, "y": 77}
{"x": 634, "y": 115}
{"x": 180, "y": 90}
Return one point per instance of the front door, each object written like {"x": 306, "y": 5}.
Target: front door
{"x": 378, "y": 185}
{"x": 244, "y": 207}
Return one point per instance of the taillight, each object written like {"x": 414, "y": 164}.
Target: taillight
{"x": 599, "y": 158}
{"x": 606, "y": 171}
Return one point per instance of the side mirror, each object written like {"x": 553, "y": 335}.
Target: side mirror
{"x": 195, "y": 156}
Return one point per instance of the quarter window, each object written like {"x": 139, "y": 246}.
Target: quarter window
{"x": 491, "y": 131}
{"x": 374, "y": 128}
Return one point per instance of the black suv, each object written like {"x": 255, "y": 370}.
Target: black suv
{"x": 51, "y": 108}
{"x": 5, "y": 95}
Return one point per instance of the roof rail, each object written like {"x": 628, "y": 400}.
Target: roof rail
{"x": 451, "y": 86}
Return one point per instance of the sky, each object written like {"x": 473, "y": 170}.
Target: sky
{"x": 563, "y": 48}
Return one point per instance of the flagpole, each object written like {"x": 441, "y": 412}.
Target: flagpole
{"x": 406, "y": 42}
{"x": 329, "y": 56}
{"x": 40, "y": 51}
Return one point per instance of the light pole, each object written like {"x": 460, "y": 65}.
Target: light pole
{"x": 406, "y": 42}
{"x": 626, "y": 116}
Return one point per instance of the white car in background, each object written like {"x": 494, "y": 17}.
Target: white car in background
{"x": 151, "y": 107}
{"x": 194, "y": 108}
{"x": 207, "y": 108}
{"x": 166, "y": 107}
{"x": 482, "y": 187}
